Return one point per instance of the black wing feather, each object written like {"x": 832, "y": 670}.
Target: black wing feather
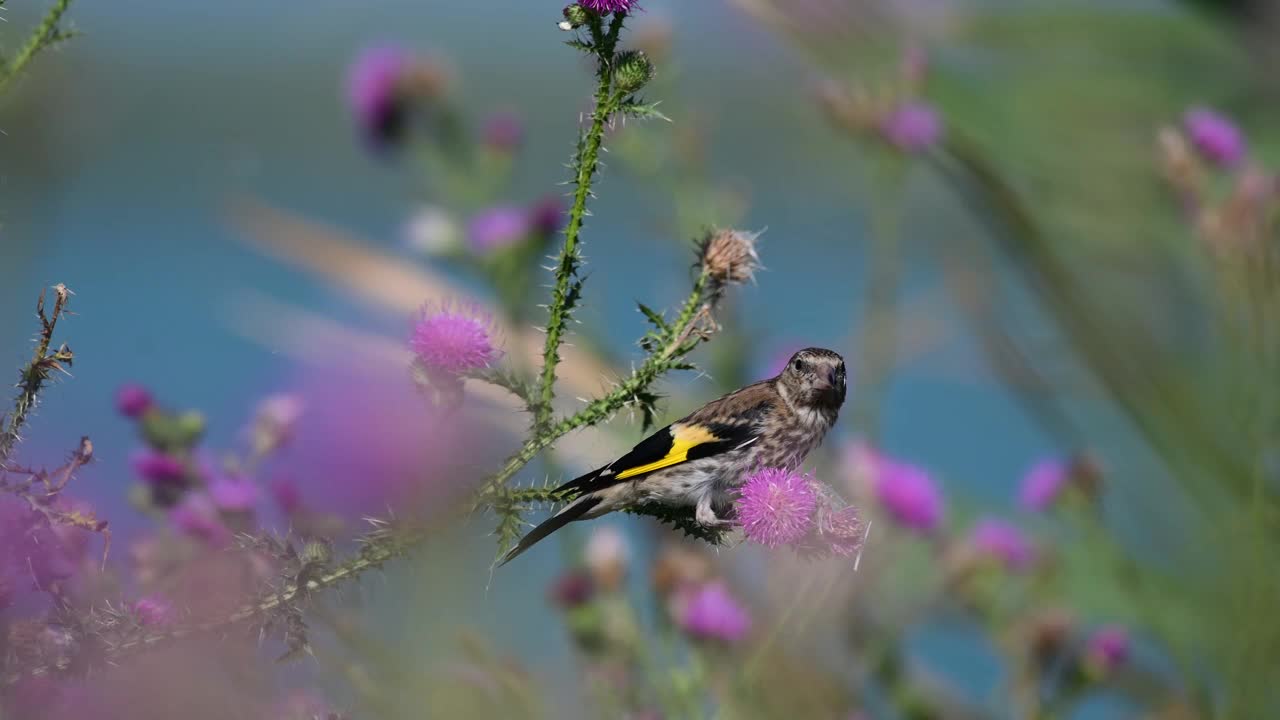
{"x": 655, "y": 447}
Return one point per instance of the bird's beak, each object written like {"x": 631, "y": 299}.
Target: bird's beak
{"x": 827, "y": 383}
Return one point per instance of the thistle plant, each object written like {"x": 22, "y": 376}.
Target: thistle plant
{"x": 49, "y": 33}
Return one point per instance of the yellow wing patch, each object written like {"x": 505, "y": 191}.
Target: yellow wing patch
{"x": 684, "y": 439}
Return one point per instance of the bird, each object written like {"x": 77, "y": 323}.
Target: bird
{"x": 701, "y": 459}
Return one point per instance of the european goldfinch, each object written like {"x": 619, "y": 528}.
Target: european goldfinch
{"x": 701, "y": 459}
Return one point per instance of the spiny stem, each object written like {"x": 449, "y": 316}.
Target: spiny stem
{"x": 45, "y": 35}
{"x": 375, "y": 553}
{"x": 585, "y": 162}
{"x": 35, "y": 373}
{"x": 661, "y": 360}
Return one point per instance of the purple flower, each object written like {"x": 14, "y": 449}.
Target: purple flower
{"x": 709, "y": 612}
{"x": 231, "y": 493}
{"x": 497, "y": 228}
{"x": 1043, "y": 483}
{"x": 153, "y": 610}
{"x": 607, "y": 6}
{"x": 912, "y": 127}
{"x": 197, "y": 517}
{"x": 573, "y": 589}
{"x": 1107, "y": 649}
{"x": 1004, "y": 542}
{"x": 373, "y": 91}
{"x": 776, "y": 507}
{"x": 287, "y": 496}
{"x": 908, "y": 494}
{"x": 547, "y": 216}
{"x": 158, "y": 468}
{"x": 503, "y": 132}
{"x": 454, "y": 338}
{"x": 133, "y": 401}
{"x": 1216, "y": 137}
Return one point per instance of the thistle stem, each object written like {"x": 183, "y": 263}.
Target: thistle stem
{"x": 585, "y": 162}
{"x": 35, "y": 373}
{"x": 661, "y": 360}
{"x": 46, "y": 34}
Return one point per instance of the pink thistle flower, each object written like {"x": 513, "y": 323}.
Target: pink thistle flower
{"x": 153, "y": 610}
{"x": 158, "y": 468}
{"x": 1215, "y": 136}
{"x": 908, "y": 494}
{"x": 776, "y": 507}
{"x": 604, "y": 7}
{"x": 454, "y": 339}
{"x": 1004, "y": 542}
{"x": 837, "y": 532}
{"x": 912, "y": 127}
{"x": 498, "y": 228}
{"x": 1107, "y": 649}
{"x": 710, "y": 612}
{"x": 231, "y": 493}
{"x": 1043, "y": 483}
{"x": 373, "y": 92}
{"x": 133, "y": 401}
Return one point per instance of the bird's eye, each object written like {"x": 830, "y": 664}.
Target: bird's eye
{"x": 799, "y": 364}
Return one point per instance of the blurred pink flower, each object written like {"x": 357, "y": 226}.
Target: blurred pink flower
{"x": 1215, "y": 136}
{"x": 503, "y": 132}
{"x": 153, "y": 610}
{"x": 232, "y": 493}
{"x": 1107, "y": 649}
{"x": 454, "y": 338}
{"x": 1044, "y": 482}
{"x": 157, "y": 468}
{"x": 373, "y": 91}
{"x": 547, "y": 215}
{"x": 1003, "y": 542}
{"x": 368, "y": 442}
{"x": 912, "y": 127}
{"x": 197, "y": 516}
{"x": 906, "y": 492}
{"x": 776, "y": 507}
{"x": 572, "y": 589}
{"x": 498, "y": 227}
{"x": 133, "y": 401}
{"x": 710, "y": 612}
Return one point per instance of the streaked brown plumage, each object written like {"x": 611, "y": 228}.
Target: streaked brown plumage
{"x": 702, "y": 458}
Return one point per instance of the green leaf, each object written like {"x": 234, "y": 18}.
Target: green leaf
{"x": 641, "y": 110}
{"x": 654, "y": 317}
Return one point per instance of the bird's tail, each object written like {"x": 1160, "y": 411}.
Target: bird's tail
{"x": 573, "y": 511}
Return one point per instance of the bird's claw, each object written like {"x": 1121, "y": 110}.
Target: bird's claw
{"x": 707, "y": 518}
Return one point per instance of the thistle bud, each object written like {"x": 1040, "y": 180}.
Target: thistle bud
{"x": 632, "y": 71}
{"x": 575, "y": 16}
{"x": 729, "y": 256}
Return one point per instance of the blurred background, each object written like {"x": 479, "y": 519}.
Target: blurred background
{"x": 199, "y": 180}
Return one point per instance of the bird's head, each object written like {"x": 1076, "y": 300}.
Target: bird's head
{"x": 814, "y": 379}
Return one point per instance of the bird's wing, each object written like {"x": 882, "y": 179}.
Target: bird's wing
{"x": 720, "y": 426}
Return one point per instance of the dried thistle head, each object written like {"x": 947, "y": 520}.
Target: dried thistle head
{"x": 729, "y": 256}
